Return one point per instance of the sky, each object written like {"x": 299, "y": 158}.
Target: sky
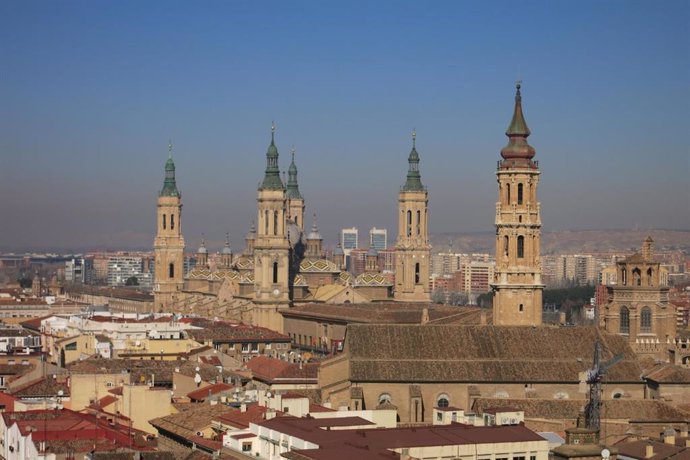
{"x": 91, "y": 93}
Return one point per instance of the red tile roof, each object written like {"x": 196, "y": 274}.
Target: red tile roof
{"x": 272, "y": 370}
{"x": 253, "y": 414}
{"x": 202, "y": 393}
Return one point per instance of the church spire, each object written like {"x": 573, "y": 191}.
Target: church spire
{"x": 272, "y": 176}
{"x": 414, "y": 181}
{"x": 169, "y": 184}
{"x": 517, "y": 132}
{"x": 292, "y": 185}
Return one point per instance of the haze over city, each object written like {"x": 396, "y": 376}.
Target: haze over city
{"x": 92, "y": 92}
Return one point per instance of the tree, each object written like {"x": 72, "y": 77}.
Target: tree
{"x": 132, "y": 281}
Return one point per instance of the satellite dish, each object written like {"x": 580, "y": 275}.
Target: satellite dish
{"x": 605, "y": 453}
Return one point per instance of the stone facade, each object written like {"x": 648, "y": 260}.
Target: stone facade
{"x": 638, "y": 307}
{"x": 412, "y": 249}
{"x": 517, "y": 281}
{"x": 168, "y": 245}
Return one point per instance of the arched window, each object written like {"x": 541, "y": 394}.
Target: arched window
{"x": 650, "y": 272}
{"x": 521, "y": 247}
{"x": 506, "y": 245}
{"x": 164, "y": 220}
{"x": 508, "y": 192}
{"x": 385, "y": 398}
{"x": 416, "y": 273}
{"x": 409, "y": 223}
{"x": 419, "y": 222}
{"x": 266, "y": 222}
{"x": 275, "y": 272}
{"x": 624, "y": 320}
{"x": 172, "y": 221}
{"x": 296, "y": 220}
{"x": 275, "y": 222}
{"x": 646, "y": 320}
{"x": 443, "y": 400}
{"x": 519, "y": 194}
{"x": 637, "y": 277}
{"x": 624, "y": 276}
{"x": 521, "y": 307}
{"x": 171, "y": 270}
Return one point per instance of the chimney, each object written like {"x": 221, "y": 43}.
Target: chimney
{"x": 425, "y": 316}
{"x": 243, "y": 407}
{"x": 648, "y": 451}
{"x": 670, "y": 436}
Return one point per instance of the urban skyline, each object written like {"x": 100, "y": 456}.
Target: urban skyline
{"x": 607, "y": 108}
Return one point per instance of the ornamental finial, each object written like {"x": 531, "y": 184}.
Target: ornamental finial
{"x": 170, "y": 148}
{"x": 414, "y": 137}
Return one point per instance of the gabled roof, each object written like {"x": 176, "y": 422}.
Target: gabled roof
{"x": 616, "y": 409}
{"x": 42, "y": 387}
{"x": 449, "y": 353}
{"x": 271, "y": 370}
{"x": 202, "y": 393}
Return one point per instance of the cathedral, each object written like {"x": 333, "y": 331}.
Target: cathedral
{"x": 282, "y": 264}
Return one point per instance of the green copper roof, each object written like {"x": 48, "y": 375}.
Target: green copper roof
{"x": 292, "y": 185}
{"x": 414, "y": 179}
{"x": 518, "y": 125}
{"x": 169, "y": 185}
{"x": 272, "y": 177}
{"x": 518, "y": 132}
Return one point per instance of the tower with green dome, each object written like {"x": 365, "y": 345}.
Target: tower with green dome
{"x": 294, "y": 197}
{"x": 168, "y": 245}
{"x": 412, "y": 249}
{"x": 271, "y": 246}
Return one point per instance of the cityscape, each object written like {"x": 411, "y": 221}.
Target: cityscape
{"x": 348, "y": 289}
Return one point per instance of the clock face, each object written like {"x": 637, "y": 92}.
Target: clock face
{"x": 276, "y": 291}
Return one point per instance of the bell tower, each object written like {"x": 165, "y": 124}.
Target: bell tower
{"x": 271, "y": 246}
{"x": 412, "y": 250}
{"x": 294, "y": 197}
{"x": 168, "y": 245}
{"x": 517, "y": 283}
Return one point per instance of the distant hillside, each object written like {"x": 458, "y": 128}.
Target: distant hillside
{"x": 569, "y": 241}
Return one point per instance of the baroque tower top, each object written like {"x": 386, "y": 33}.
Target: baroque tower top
{"x": 414, "y": 180}
{"x": 272, "y": 179}
{"x": 518, "y": 149}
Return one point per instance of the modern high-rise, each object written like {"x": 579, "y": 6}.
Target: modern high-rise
{"x": 517, "y": 284}
{"x": 378, "y": 238}
{"x": 349, "y": 239}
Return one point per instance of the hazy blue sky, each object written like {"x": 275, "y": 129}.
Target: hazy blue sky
{"x": 90, "y": 93}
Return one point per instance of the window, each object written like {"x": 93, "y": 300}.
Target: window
{"x": 419, "y": 222}
{"x": 646, "y": 320}
{"x": 266, "y": 222}
{"x": 519, "y": 194}
{"x": 521, "y": 247}
{"x": 172, "y": 221}
{"x": 624, "y": 320}
{"x": 275, "y": 222}
{"x": 171, "y": 270}
{"x": 439, "y": 416}
{"x": 275, "y": 272}
{"x": 508, "y": 192}
{"x": 71, "y": 346}
{"x": 624, "y": 277}
{"x": 649, "y": 277}
{"x": 164, "y": 217}
{"x": 246, "y": 447}
{"x": 505, "y": 246}
{"x": 245, "y": 348}
{"x": 442, "y": 400}
{"x": 409, "y": 223}
{"x": 521, "y": 307}
{"x": 637, "y": 277}
{"x": 416, "y": 273}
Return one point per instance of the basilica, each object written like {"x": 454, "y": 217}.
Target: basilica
{"x": 283, "y": 264}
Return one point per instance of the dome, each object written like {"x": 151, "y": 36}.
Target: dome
{"x": 372, "y": 251}
{"x": 202, "y": 250}
{"x": 226, "y": 250}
